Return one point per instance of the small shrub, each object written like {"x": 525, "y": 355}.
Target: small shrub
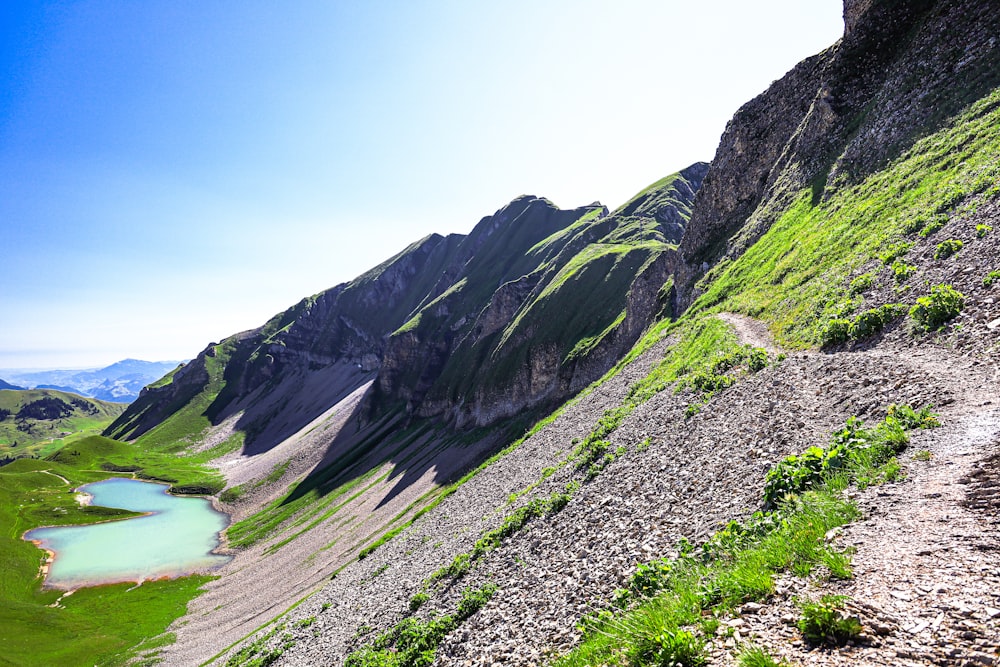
{"x": 669, "y": 647}
{"x": 910, "y": 418}
{"x": 894, "y": 252}
{"x": 946, "y": 249}
{"x": 933, "y": 225}
{"x": 983, "y": 230}
{"x": 824, "y": 622}
{"x": 932, "y": 311}
{"x": 860, "y": 284}
{"x": 922, "y": 455}
{"x": 902, "y": 271}
{"x": 757, "y": 359}
{"x": 835, "y": 331}
{"x": 873, "y": 321}
{"x": 418, "y": 600}
{"x": 991, "y": 277}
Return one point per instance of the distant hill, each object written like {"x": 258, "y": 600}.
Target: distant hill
{"x": 120, "y": 382}
{"x": 37, "y": 421}
{"x": 7, "y": 385}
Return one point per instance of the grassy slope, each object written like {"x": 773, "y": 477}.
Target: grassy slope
{"x": 94, "y": 625}
{"x": 39, "y": 437}
{"x": 797, "y": 276}
{"x": 584, "y": 273}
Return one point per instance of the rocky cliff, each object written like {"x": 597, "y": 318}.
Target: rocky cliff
{"x": 529, "y": 307}
{"x": 902, "y": 69}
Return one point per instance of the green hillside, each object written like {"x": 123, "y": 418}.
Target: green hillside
{"x": 35, "y": 422}
{"x": 101, "y": 625}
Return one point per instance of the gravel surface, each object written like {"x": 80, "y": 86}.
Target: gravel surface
{"x": 926, "y": 566}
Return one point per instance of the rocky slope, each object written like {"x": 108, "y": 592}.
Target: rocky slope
{"x": 421, "y": 318}
{"x": 846, "y": 192}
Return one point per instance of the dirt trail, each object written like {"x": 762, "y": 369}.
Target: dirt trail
{"x": 752, "y": 332}
{"x": 926, "y": 583}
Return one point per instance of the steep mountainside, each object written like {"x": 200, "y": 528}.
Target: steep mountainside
{"x": 840, "y": 264}
{"x": 507, "y": 299}
{"x": 901, "y": 72}
{"x": 7, "y": 385}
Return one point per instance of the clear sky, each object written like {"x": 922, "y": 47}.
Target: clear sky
{"x": 175, "y": 171}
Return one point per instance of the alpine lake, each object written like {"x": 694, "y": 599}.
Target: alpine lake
{"x": 175, "y": 537}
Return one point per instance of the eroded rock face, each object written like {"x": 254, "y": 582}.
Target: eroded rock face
{"x": 839, "y": 116}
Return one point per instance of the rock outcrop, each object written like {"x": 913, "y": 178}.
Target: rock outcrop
{"x": 900, "y": 71}
{"x": 532, "y": 305}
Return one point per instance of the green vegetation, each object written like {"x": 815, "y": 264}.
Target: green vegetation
{"x": 413, "y": 641}
{"x": 824, "y": 622}
{"x": 797, "y": 275}
{"x": 754, "y": 656}
{"x": 101, "y": 625}
{"x": 263, "y": 651}
{"x": 983, "y": 230}
{"x": 901, "y": 271}
{"x": 932, "y": 311}
{"x": 946, "y": 249}
{"x": 37, "y": 422}
{"x": 991, "y": 278}
{"x": 670, "y": 605}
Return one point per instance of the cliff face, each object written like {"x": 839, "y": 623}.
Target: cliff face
{"x": 902, "y": 68}
{"x": 529, "y": 307}
{"x": 568, "y": 303}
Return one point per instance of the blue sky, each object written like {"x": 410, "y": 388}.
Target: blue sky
{"x": 172, "y": 172}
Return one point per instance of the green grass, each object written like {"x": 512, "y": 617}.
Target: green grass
{"x": 797, "y": 276}
{"x": 25, "y": 436}
{"x": 663, "y": 608}
{"x": 99, "y": 625}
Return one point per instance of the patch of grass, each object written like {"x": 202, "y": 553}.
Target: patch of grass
{"x": 413, "y": 642}
{"x": 991, "y": 278}
{"x": 983, "y": 230}
{"x": 922, "y": 455}
{"x": 860, "y": 284}
{"x": 754, "y": 656}
{"x": 947, "y": 248}
{"x": 824, "y": 622}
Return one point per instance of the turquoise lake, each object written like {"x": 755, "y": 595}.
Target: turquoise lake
{"x": 175, "y": 539}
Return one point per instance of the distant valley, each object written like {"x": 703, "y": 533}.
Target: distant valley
{"x": 120, "y": 382}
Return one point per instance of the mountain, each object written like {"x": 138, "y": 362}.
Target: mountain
{"x": 120, "y": 382}
{"x": 36, "y": 420}
{"x": 749, "y": 417}
{"x": 540, "y": 300}
{"x": 839, "y": 264}
{"x": 7, "y": 385}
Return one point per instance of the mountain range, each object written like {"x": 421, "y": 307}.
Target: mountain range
{"x": 120, "y": 382}
{"x": 750, "y": 417}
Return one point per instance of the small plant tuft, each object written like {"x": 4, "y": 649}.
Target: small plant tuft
{"x": 983, "y": 230}
{"x": 932, "y": 311}
{"x": 755, "y": 656}
{"x": 946, "y": 249}
{"x": 668, "y": 647}
{"x": 824, "y": 622}
{"x": 991, "y": 277}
